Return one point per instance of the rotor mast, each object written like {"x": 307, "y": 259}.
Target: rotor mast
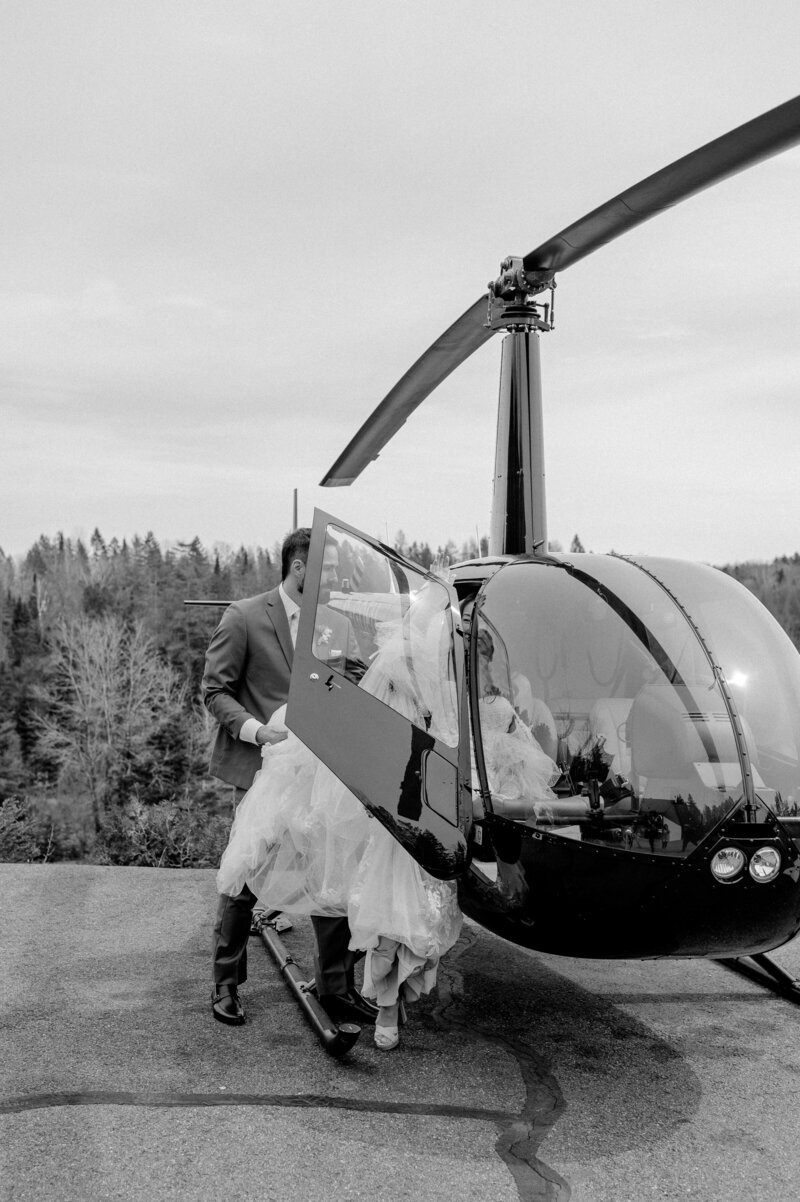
{"x": 519, "y": 505}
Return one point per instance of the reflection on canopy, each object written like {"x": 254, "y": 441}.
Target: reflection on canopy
{"x": 404, "y": 626}
{"x": 646, "y": 742}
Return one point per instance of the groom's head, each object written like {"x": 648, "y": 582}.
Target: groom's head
{"x": 294, "y": 554}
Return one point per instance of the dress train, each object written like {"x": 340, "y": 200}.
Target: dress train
{"x": 304, "y": 844}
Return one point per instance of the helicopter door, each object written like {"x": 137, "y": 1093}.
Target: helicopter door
{"x": 378, "y": 693}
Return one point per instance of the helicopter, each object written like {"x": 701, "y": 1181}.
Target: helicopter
{"x": 666, "y": 695}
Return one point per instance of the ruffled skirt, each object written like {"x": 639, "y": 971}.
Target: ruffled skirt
{"x": 305, "y": 845}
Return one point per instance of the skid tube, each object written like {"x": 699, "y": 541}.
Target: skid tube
{"x": 336, "y": 1040}
{"x": 764, "y": 971}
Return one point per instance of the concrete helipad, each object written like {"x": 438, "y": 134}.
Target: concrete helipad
{"x": 527, "y": 1077}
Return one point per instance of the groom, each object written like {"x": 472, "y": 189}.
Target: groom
{"x": 247, "y": 673}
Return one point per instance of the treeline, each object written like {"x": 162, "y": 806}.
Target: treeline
{"x": 103, "y": 737}
{"x": 104, "y": 740}
{"x": 777, "y": 586}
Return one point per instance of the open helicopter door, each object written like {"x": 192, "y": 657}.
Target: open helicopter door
{"x": 378, "y": 690}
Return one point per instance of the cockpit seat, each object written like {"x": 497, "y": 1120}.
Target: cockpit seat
{"x": 608, "y": 727}
{"x": 677, "y": 747}
{"x": 543, "y": 727}
{"x": 535, "y": 713}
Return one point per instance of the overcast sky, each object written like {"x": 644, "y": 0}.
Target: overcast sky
{"x": 228, "y": 228}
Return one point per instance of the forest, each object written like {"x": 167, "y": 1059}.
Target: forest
{"x": 104, "y": 741}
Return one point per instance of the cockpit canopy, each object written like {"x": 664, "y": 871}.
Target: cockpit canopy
{"x": 630, "y": 704}
{"x": 663, "y": 691}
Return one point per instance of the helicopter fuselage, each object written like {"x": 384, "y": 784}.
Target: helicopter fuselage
{"x": 607, "y": 753}
{"x": 603, "y": 752}
{"x": 664, "y": 765}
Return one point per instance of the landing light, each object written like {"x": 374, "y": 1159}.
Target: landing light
{"x": 765, "y": 864}
{"x": 738, "y": 679}
{"x": 727, "y": 863}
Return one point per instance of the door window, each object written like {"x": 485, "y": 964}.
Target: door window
{"x": 388, "y": 627}
{"x": 378, "y": 693}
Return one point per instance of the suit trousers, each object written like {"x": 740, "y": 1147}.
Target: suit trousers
{"x": 232, "y": 929}
{"x": 231, "y": 933}
{"x": 333, "y": 963}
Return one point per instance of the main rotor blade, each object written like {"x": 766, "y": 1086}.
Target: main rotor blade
{"x": 451, "y": 349}
{"x": 743, "y": 147}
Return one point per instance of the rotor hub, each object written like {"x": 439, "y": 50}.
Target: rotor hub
{"x": 511, "y": 302}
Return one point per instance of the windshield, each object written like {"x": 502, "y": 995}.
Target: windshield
{"x": 761, "y": 667}
{"x": 604, "y": 671}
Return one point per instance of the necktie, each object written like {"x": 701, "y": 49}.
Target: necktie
{"x": 293, "y": 627}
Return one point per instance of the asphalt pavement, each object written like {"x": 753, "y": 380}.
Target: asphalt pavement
{"x": 524, "y": 1077}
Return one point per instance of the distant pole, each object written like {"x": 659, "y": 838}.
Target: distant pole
{"x": 294, "y": 511}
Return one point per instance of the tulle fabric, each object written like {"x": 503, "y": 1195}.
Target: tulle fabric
{"x": 404, "y": 918}
{"x": 516, "y": 766}
{"x": 413, "y": 670}
{"x": 293, "y": 853}
{"x": 305, "y": 845}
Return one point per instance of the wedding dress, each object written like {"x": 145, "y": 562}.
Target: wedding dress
{"x": 519, "y": 772}
{"x": 304, "y": 844}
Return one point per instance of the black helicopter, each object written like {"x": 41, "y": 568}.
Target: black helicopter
{"x": 668, "y": 697}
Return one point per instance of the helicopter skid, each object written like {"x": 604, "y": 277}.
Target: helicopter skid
{"x": 764, "y": 971}
{"x": 337, "y": 1039}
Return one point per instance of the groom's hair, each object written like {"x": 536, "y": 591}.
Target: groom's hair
{"x": 295, "y": 546}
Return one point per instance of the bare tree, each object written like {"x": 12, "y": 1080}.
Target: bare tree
{"x": 112, "y": 695}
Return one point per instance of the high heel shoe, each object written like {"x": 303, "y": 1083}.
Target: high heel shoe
{"x": 386, "y": 1038}
{"x": 402, "y": 1016}
{"x": 387, "y": 1035}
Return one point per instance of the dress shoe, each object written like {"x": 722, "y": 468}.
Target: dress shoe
{"x": 349, "y": 1007}
{"x": 226, "y": 1006}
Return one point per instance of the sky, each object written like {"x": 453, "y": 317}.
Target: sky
{"x": 229, "y": 227}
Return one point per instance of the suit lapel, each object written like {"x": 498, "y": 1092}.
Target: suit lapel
{"x": 277, "y": 615}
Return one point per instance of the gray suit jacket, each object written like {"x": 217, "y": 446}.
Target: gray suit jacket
{"x": 248, "y": 669}
{"x": 247, "y": 673}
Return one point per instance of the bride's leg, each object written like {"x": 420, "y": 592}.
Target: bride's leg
{"x": 381, "y": 971}
{"x": 388, "y": 1016}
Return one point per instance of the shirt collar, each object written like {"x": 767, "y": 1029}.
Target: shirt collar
{"x": 289, "y": 605}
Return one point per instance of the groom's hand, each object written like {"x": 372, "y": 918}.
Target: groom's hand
{"x": 265, "y": 735}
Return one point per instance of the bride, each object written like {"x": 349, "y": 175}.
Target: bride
{"x": 304, "y": 843}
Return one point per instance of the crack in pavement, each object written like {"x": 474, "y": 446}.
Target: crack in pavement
{"x": 104, "y": 1097}
{"x": 521, "y": 1133}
